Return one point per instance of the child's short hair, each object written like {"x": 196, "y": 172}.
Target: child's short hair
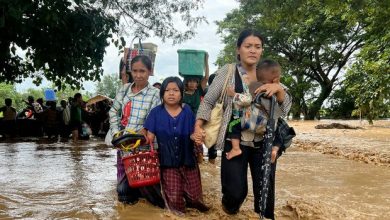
{"x": 265, "y": 64}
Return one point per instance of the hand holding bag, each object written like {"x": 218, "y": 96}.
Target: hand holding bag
{"x": 212, "y": 127}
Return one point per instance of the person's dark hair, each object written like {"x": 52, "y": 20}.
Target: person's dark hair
{"x": 265, "y": 64}
{"x": 157, "y": 84}
{"x": 63, "y": 103}
{"x": 76, "y": 96}
{"x": 52, "y": 105}
{"x": 121, "y": 66}
{"x": 246, "y": 33}
{"x": 144, "y": 59}
{"x": 165, "y": 83}
{"x": 186, "y": 80}
{"x": 40, "y": 100}
{"x": 8, "y": 102}
{"x": 30, "y": 98}
{"x": 211, "y": 78}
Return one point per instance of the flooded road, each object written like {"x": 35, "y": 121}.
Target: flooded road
{"x": 40, "y": 180}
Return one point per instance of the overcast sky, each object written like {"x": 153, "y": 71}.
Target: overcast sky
{"x": 167, "y": 60}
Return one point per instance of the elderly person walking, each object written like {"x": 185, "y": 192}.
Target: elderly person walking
{"x": 131, "y": 106}
{"x": 234, "y": 171}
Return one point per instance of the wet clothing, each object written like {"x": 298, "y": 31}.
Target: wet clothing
{"x": 75, "y": 117}
{"x": 175, "y": 147}
{"x": 234, "y": 174}
{"x": 8, "y": 122}
{"x": 180, "y": 175}
{"x": 51, "y": 122}
{"x": 143, "y": 102}
{"x": 181, "y": 186}
{"x": 193, "y": 100}
{"x": 234, "y": 171}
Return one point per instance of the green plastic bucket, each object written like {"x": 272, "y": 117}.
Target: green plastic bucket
{"x": 191, "y": 62}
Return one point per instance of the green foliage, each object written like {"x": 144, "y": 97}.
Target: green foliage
{"x": 313, "y": 39}
{"x": 9, "y": 91}
{"x": 65, "y": 41}
{"x": 159, "y": 18}
{"x": 67, "y": 92}
{"x": 369, "y": 82}
{"x": 369, "y": 79}
{"x": 341, "y": 104}
{"x": 109, "y": 85}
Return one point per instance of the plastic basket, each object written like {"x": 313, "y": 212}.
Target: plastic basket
{"x": 142, "y": 168}
{"x": 191, "y": 62}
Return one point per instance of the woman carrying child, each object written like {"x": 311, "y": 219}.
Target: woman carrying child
{"x": 247, "y": 114}
{"x": 234, "y": 171}
{"x": 172, "y": 123}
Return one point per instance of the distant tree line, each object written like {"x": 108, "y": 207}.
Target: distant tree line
{"x": 335, "y": 54}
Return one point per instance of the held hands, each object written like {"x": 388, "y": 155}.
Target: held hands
{"x": 198, "y": 136}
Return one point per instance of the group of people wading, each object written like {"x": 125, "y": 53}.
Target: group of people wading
{"x": 163, "y": 115}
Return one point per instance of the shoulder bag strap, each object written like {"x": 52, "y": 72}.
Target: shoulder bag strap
{"x": 123, "y": 98}
{"x": 223, "y": 95}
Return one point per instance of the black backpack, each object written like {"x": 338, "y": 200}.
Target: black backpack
{"x": 283, "y": 135}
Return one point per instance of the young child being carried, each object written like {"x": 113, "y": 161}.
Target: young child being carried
{"x": 268, "y": 71}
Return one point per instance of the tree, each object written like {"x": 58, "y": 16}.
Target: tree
{"x": 369, "y": 82}
{"x": 341, "y": 104}
{"x": 65, "y": 93}
{"x": 9, "y": 91}
{"x": 160, "y": 18}
{"x": 64, "y": 41}
{"x": 109, "y": 85}
{"x": 369, "y": 79}
{"x": 316, "y": 38}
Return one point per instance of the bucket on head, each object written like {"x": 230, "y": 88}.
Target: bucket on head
{"x": 50, "y": 95}
{"x": 191, "y": 62}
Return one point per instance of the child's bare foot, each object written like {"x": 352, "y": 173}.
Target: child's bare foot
{"x": 233, "y": 153}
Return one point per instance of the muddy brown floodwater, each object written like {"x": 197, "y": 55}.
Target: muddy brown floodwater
{"x": 327, "y": 174}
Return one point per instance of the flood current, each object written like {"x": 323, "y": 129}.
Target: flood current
{"x": 42, "y": 180}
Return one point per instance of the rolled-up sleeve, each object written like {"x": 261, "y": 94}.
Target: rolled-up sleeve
{"x": 213, "y": 93}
